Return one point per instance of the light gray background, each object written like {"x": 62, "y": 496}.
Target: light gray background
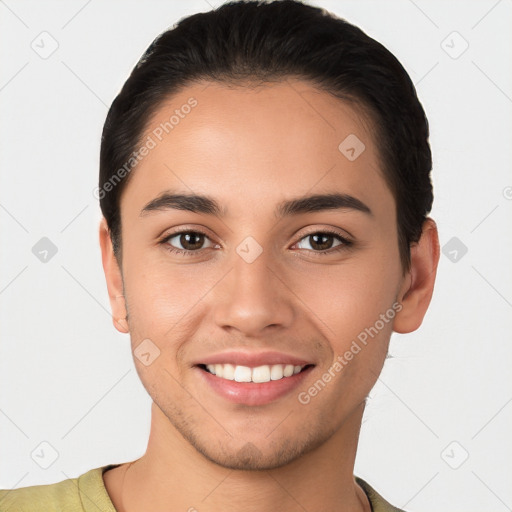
{"x": 67, "y": 376}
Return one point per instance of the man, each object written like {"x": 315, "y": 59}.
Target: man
{"x": 265, "y": 186}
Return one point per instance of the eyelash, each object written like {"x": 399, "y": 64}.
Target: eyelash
{"x": 345, "y": 243}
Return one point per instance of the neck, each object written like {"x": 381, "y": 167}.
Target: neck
{"x": 173, "y": 472}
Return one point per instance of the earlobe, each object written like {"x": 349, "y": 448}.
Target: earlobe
{"x": 121, "y": 323}
{"x": 114, "y": 279}
{"x": 418, "y": 286}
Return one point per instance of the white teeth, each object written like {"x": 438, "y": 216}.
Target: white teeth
{"x": 288, "y": 370}
{"x": 276, "y": 372}
{"x": 219, "y": 370}
{"x": 229, "y": 372}
{"x": 259, "y": 374}
{"x": 243, "y": 374}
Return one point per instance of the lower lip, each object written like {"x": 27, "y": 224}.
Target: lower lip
{"x": 253, "y": 393}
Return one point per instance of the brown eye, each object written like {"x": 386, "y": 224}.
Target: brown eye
{"x": 321, "y": 241}
{"x": 191, "y": 241}
{"x": 185, "y": 241}
{"x": 324, "y": 242}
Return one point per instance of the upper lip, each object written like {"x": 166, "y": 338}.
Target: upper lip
{"x": 253, "y": 359}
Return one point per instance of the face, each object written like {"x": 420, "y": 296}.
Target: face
{"x": 249, "y": 301}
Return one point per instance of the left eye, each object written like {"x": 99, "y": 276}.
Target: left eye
{"x": 322, "y": 241}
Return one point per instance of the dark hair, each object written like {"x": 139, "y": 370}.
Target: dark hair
{"x": 256, "y": 41}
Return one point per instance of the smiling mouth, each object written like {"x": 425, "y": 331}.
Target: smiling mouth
{"x": 258, "y": 374}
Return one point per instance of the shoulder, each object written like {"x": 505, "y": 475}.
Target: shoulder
{"x": 42, "y": 497}
{"x": 83, "y": 493}
{"x": 378, "y": 503}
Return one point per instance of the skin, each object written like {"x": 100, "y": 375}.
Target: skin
{"x": 250, "y": 149}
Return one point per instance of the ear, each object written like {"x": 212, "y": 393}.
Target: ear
{"x": 114, "y": 279}
{"x": 418, "y": 284}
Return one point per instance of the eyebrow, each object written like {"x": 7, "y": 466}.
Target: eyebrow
{"x": 300, "y": 205}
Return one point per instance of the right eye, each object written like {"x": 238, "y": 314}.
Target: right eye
{"x": 190, "y": 241}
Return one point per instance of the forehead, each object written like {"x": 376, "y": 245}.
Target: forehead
{"x": 242, "y": 144}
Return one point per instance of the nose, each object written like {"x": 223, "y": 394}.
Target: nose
{"x": 253, "y": 298}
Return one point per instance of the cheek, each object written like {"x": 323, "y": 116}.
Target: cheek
{"x": 349, "y": 298}
{"x": 164, "y": 299}
{"x": 356, "y": 314}
{"x": 164, "y": 303}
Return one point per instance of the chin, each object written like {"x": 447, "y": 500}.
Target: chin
{"x": 261, "y": 455}
{"x": 250, "y": 458}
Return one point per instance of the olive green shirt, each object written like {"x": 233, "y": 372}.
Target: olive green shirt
{"x": 87, "y": 493}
